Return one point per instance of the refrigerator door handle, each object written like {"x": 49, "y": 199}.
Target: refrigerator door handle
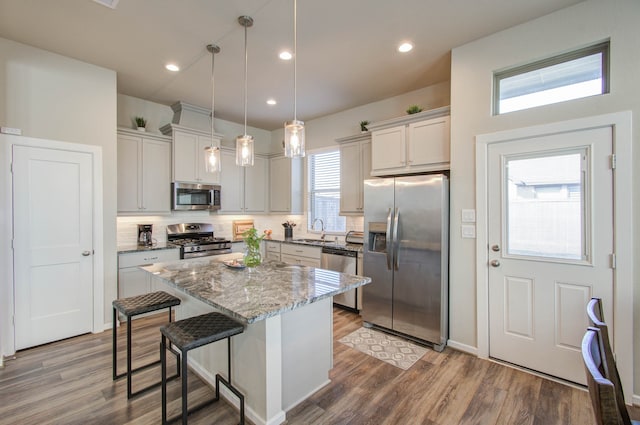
{"x": 388, "y": 240}
{"x": 396, "y": 239}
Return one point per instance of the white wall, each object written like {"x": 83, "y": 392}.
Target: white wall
{"x": 471, "y": 90}
{"x": 158, "y": 115}
{"x": 53, "y": 97}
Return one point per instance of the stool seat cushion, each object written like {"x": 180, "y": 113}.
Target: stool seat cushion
{"x": 200, "y": 330}
{"x": 145, "y": 303}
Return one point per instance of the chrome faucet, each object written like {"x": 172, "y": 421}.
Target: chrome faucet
{"x": 313, "y": 226}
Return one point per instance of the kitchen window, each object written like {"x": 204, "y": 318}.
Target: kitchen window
{"x": 574, "y": 75}
{"x": 324, "y": 192}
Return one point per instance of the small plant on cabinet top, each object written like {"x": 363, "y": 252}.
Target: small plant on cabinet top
{"x": 363, "y": 125}
{"x": 141, "y": 122}
{"x": 414, "y": 109}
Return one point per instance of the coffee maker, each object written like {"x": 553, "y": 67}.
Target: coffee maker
{"x": 144, "y": 234}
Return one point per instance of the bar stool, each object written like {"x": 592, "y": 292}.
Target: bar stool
{"x": 191, "y": 333}
{"x": 133, "y": 306}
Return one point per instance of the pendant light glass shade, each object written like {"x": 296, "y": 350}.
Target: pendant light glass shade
{"x": 294, "y": 139}
{"x": 294, "y": 129}
{"x": 244, "y": 150}
{"x": 212, "y": 153}
{"x": 244, "y": 144}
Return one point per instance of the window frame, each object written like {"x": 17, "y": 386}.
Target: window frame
{"x": 601, "y": 47}
{"x": 310, "y": 218}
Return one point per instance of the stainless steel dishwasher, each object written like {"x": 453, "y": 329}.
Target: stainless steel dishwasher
{"x": 344, "y": 260}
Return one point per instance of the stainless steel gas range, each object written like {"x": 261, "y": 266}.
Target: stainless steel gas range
{"x": 196, "y": 240}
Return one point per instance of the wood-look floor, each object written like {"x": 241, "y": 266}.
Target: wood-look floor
{"x": 69, "y": 382}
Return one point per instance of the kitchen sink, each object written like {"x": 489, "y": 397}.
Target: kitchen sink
{"x": 312, "y": 241}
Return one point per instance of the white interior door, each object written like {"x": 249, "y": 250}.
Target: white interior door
{"x": 53, "y": 246}
{"x": 550, "y": 241}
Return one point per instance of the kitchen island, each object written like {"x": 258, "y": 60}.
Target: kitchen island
{"x": 286, "y": 350}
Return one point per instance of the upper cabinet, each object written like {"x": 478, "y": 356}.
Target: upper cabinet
{"x": 188, "y": 154}
{"x": 144, "y": 177}
{"x": 411, "y": 144}
{"x": 355, "y": 167}
{"x": 244, "y": 189}
{"x": 286, "y": 183}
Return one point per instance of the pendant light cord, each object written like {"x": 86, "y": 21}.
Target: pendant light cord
{"x": 246, "y": 59}
{"x": 213, "y": 90}
{"x": 295, "y": 57}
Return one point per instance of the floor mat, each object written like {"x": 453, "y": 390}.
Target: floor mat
{"x": 388, "y": 348}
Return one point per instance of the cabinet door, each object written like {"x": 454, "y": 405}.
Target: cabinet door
{"x": 185, "y": 146}
{"x": 156, "y": 176}
{"x": 129, "y": 174}
{"x": 350, "y": 178}
{"x": 280, "y": 184}
{"x": 388, "y": 148}
{"x": 429, "y": 142}
{"x": 202, "y": 175}
{"x": 132, "y": 281}
{"x": 231, "y": 181}
{"x": 365, "y": 169}
{"x": 256, "y": 186}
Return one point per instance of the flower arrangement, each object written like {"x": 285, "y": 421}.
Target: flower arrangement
{"x": 140, "y": 122}
{"x": 252, "y": 257}
{"x": 288, "y": 224}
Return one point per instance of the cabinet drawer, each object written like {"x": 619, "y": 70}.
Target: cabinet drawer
{"x": 303, "y": 261}
{"x": 301, "y": 250}
{"x": 275, "y": 256}
{"x": 148, "y": 257}
{"x": 271, "y": 246}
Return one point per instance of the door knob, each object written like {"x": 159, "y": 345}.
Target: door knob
{"x": 495, "y": 263}
{"x": 86, "y": 253}
{"x": 495, "y": 248}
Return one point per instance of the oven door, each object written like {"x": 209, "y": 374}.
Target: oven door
{"x": 188, "y": 196}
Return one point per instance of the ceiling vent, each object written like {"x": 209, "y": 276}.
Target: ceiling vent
{"x": 111, "y": 4}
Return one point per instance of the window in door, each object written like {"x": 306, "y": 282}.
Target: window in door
{"x": 545, "y": 208}
{"x": 324, "y": 192}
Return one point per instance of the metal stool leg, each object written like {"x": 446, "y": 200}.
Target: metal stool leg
{"x": 185, "y": 411}
{"x": 163, "y": 368}
{"x": 114, "y": 347}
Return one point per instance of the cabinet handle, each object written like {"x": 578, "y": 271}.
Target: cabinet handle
{"x": 150, "y": 258}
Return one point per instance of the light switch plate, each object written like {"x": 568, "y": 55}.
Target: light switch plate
{"x": 468, "y": 216}
{"x": 468, "y": 231}
{"x": 11, "y": 130}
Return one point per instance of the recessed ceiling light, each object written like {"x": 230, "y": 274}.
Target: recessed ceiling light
{"x": 172, "y": 67}
{"x": 284, "y": 55}
{"x": 405, "y": 47}
{"x": 271, "y": 102}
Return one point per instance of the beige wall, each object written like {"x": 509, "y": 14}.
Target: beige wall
{"x": 53, "y": 97}
{"x": 471, "y": 89}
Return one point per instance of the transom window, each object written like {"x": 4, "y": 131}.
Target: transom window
{"x": 324, "y": 192}
{"x": 573, "y": 75}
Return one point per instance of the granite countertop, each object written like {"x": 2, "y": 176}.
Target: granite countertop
{"x": 133, "y": 247}
{"x": 248, "y": 295}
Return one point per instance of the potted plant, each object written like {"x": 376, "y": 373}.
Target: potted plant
{"x": 252, "y": 256}
{"x": 141, "y": 123}
{"x": 363, "y": 126}
{"x": 414, "y": 109}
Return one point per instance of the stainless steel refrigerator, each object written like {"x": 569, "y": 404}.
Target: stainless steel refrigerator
{"x": 406, "y": 250}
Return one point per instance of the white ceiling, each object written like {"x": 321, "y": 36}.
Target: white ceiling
{"x": 346, "y": 48}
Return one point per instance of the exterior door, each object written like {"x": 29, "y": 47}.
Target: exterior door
{"x": 550, "y": 241}
{"x": 53, "y": 246}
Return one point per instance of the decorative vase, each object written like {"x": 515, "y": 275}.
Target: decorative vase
{"x": 142, "y": 129}
{"x": 288, "y": 233}
{"x": 252, "y": 257}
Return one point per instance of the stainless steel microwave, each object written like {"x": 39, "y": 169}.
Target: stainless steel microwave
{"x": 189, "y": 196}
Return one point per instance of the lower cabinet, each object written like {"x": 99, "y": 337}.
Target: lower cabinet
{"x": 132, "y": 280}
{"x": 301, "y": 254}
{"x": 272, "y": 250}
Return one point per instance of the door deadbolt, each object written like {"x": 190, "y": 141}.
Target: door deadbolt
{"x": 495, "y": 248}
{"x": 495, "y": 263}
{"x": 86, "y": 253}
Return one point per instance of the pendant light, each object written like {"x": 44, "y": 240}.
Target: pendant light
{"x": 244, "y": 144}
{"x": 294, "y": 130}
{"x": 212, "y": 153}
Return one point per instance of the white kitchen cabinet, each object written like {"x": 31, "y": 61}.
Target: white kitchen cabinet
{"x": 244, "y": 189}
{"x": 355, "y": 167}
{"x": 189, "y": 145}
{"x": 411, "y": 144}
{"x": 144, "y": 179}
{"x": 272, "y": 250}
{"x": 286, "y": 183}
{"x": 303, "y": 255}
{"x": 132, "y": 280}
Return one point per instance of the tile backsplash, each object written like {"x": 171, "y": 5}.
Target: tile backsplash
{"x": 127, "y": 226}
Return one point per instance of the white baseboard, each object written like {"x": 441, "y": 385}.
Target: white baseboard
{"x": 635, "y": 399}
{"x": 462, "y": 347}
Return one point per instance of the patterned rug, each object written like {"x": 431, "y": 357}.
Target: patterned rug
{"x": 388, "y": 348}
